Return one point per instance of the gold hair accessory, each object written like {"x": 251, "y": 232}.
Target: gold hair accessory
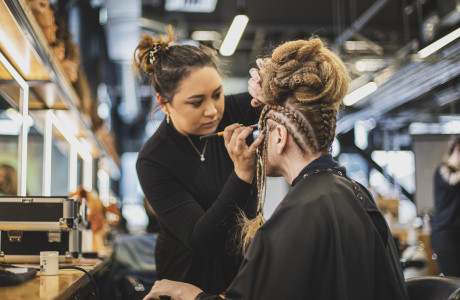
{"x": 152, "y": 56}
{"x": 153, "y": 53}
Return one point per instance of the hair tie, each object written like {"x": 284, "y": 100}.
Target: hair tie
{"x": 152, "y": 56}
{"x": 155, "y": 51}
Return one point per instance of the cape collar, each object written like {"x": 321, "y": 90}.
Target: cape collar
{"x": 321, "y": 164}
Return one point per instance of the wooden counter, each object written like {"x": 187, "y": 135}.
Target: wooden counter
{"x": 68, "y": 284}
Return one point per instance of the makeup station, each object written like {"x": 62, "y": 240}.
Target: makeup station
{"x": 57, "y": 152}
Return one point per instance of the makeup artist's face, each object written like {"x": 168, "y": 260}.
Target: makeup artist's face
{"x": 198, "y": 105}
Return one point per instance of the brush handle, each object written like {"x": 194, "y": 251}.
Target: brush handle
{"x": 221, "y": 133}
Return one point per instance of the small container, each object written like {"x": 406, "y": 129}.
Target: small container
{"x": 49, "y": 262}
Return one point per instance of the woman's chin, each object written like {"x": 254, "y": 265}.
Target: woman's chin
{"x": 206, "y": 131}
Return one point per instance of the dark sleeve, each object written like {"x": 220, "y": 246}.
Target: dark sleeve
{"x": 206, "y": 296}
{"x": 238, "y": 109}
{"x": 202, "y": 231}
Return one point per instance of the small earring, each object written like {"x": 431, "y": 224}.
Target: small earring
{"x": 167, "y": 118}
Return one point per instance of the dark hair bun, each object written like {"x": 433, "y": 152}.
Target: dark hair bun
{"x": 150, "y": 49}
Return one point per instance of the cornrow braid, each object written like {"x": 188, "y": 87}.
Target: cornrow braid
{"x": 328, "y": 130}
{"x": 298, "y": 123}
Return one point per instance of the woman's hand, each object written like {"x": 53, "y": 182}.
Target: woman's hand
{"x": 174, "y": 289}
{"x": 243, "y": 157}
{"x": 254, "y": 84}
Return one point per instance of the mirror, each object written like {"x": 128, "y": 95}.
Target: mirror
{"x": 59, "y": 179}
{"x": 10, "y": 128}
{"x": 14, "y": 100}
{"x": 19, "y": 66}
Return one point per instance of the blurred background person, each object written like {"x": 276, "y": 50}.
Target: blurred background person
{"x": 8, "y": 181}
{"x": 445, "y": 232}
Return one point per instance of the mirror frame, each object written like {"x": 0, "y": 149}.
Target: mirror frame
{"x": 76, "y": 149}
{"x": 23, "y": 134}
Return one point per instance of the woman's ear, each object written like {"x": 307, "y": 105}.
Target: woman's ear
{"x": 163, "y": 103}
{"x": 281, "y": 137}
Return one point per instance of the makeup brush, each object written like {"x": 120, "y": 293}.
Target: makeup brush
{"x": 221, "y": 133}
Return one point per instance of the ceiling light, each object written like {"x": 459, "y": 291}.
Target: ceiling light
{"x": 430, "y": 49}
{"x": 356, "y": 46}
{"x": 360, "y": 93}
{"x": 205, "y": 35}
{"x": 203, "y": 6}
{"x": 365, "y": 65}
{"x": 234, "y": 35}
{"x": 450, "y": 127}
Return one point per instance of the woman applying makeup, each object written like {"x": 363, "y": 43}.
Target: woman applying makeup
{"x": 197, "y": 188}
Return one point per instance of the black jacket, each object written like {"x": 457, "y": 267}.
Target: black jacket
{"x": 326, "y": 240}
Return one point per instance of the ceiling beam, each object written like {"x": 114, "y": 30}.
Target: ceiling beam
{"x": 411, "y": 81}
{"x": 360, "y": 22}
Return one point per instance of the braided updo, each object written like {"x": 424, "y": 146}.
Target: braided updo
{"x": 167, "y": 64}
{"x": 308, "y": 72}
{"x": 303, "y": 84}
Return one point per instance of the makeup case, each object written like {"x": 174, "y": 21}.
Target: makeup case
{"x": 32, "y": 224}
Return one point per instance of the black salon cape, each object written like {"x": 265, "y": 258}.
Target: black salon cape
{"x": 325, "y": 241}
{"x": 196, "y": 201}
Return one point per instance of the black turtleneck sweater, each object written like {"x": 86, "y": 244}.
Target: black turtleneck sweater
{"x": 197, "y": 201}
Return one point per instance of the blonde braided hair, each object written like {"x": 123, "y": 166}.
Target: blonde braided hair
{"x": 303, "y": 84}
